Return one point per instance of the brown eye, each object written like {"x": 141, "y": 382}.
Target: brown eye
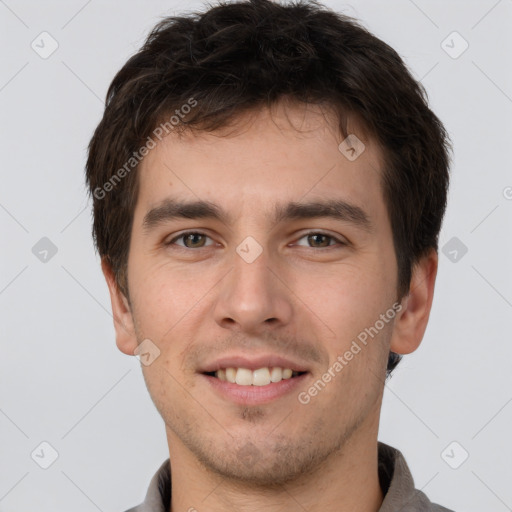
{"x": 190, "y": 240}
{"x": 194, "y": 240}
{"x": 319, "y": 240}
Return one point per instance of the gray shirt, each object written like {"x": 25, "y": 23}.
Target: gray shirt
{"x": 395, "y": 480}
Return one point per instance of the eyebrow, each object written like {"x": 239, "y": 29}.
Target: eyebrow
{"x": 337, "y": 209}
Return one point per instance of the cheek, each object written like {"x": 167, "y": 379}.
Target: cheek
{"x": 167, "y": 388}
{"x": 349, "y": 297}
{"x": 163, "y": 298}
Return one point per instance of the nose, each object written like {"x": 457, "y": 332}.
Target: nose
{"x": 253, "y": 297}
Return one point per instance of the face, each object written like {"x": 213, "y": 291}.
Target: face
{"x": 285, "y": 258}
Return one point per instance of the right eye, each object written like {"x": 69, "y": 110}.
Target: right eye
{"x": 190, "y": 240}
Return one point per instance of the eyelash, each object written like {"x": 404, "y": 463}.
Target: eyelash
{"x": 310, "y": 233}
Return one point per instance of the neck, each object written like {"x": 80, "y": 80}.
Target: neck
{"x": 348, "y": 480}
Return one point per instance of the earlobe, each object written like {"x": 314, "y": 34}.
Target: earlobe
{"x": 126, "y": 338}
{"x": 411, "y": 322}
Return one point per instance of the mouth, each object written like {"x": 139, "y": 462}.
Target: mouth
{"x": 260, "y": 377}
{"x": 254, "y": 380}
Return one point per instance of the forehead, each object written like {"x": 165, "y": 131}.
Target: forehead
{"x": 264, "y": 160}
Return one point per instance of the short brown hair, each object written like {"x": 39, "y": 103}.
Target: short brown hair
{"x": 243, "y": 55}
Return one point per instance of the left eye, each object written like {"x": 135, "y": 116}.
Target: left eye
{"x": 191, "y": 240}
{"x": 319, "y": 240}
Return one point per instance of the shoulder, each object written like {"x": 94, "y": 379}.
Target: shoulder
{"x": 398, "y": 485}
{"x": 158, "y": 496}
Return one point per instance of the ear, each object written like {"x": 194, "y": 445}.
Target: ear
{"x": 126, "y": 338}
{"x": 411, "y": 321}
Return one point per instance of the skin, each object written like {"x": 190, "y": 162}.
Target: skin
{"x": 302, "y": 298}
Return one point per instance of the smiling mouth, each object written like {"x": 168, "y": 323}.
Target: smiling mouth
{"x": 260, "y": 377}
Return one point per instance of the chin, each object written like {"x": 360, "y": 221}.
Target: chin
{"x": 272, "y": 464}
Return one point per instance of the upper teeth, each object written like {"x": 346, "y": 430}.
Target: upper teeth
{"x": 259, "y": 377}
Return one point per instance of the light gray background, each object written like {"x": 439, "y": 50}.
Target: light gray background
{"x": 62, "y": 379}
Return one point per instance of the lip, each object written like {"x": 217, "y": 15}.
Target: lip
{"x": 255, "y": 395}
{"x": 253, "y": 363}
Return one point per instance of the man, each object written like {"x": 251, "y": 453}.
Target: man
{"x": 269, "y": 185}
